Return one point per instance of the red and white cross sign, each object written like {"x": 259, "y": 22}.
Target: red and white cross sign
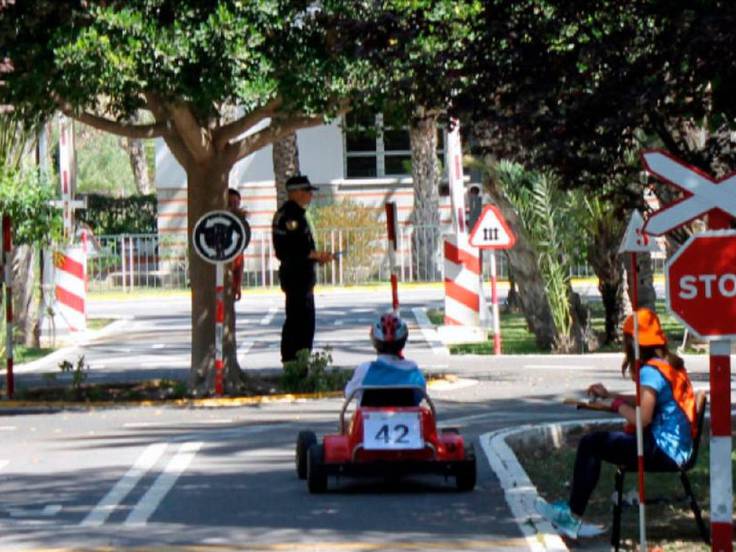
{"x": 705, "y": 192}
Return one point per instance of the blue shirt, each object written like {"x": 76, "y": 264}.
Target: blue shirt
{"x": 670, "y": 427}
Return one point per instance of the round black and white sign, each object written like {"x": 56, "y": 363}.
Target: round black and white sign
{"x": 220, "y": 236}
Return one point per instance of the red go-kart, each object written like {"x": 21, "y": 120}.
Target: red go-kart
{"x": 387, "y": 436}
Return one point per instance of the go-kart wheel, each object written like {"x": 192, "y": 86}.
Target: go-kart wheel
{"x": 465, "y": 477}
{"x": 304, "y": 440}
{"x": 316, "y": 474}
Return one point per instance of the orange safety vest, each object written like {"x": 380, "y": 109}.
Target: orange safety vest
{"x": 682, "y": 390}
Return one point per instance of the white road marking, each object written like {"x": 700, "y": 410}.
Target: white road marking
{"x": 168, "y": 424}
{"x": 3, "y": 463}
{"x": 266, "y": 320}
{"x": 163, "y": 484}
{"x": 244, "y": 347}
{"x": 428, "y": 331}
{"x": 158, "y": 346}
{"x": 520, "y": 493}
{"x": 112, "y": 499}
{"x": 561, "y": 367}
{"x": 339, "y": 322}
{"x": 8, "y": 428}
{"x": 48, "y": 511}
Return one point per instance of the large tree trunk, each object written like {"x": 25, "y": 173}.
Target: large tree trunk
{"x": 25, "y": 309}
{"x": 285, "y": 164}
{"x": 138, "y": 163}
{"x": 523, "y": 263}
{"x": 202, "y": 179}
{"x": 646, "y": 293}
{"x": 603, "y": 256}
{"x": 425, "y": 176}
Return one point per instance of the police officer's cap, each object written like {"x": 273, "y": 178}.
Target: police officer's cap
{"x": 299, "y": 182}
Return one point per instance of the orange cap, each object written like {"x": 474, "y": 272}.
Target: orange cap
{"x": 650, "y": 329}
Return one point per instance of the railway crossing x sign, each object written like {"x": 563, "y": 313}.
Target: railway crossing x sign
{"x": 706, "y": 193}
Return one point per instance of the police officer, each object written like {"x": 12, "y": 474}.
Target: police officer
{"x": 295, "y": 248}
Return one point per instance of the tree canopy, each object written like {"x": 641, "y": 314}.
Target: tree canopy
{"x": 576, "y": 85}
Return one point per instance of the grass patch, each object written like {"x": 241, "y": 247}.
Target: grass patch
{"x": 98, "y": 323}
{"x": 23, "y": 354}
{"x": 517, "y": 339}
{"x": 670, "y": 523}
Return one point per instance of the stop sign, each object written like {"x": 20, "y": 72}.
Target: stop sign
{"x": 701, "y": 284}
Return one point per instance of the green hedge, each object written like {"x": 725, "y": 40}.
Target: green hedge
{"x": 120, "y": 215}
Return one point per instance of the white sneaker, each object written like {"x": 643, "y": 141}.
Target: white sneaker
{"x": 589, "y": 530}
{"x": 559, "y": 514}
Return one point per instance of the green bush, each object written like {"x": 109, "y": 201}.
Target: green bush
{"x": 120, "y": 215}
{"x": 310, "y": 373}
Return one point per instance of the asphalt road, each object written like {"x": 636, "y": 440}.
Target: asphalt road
{"x": 223, "y": 478}
{"x": 149, "y": 478}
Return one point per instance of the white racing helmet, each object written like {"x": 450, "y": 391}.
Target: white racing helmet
{"x": 389, "y": 334}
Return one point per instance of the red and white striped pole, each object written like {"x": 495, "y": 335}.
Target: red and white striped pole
{"x": 391, "y": 229}
{"x": 219, "y": 326}
{"x": 639, "y": 429}
{"x": 721, "y": 478}
{"x": 494, "y": 304}
{"x": 7, "y": 246}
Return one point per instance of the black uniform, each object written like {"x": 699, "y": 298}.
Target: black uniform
{"x": 293, "y": 242}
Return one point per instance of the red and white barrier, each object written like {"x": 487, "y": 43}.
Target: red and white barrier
{"x": 70, "y": 287}
{"x": 462, "y": 282}
{"x": 391, "y": 222}
{"x": 7, "y": 241}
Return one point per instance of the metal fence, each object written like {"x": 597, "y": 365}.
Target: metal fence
{"x": 129, "y": 261}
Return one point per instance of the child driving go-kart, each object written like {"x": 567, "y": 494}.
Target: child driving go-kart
{"x": 390, "y": 369}
{"x": 393, "y": 430}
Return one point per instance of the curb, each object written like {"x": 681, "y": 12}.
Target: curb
{"x": 519, "y": 491}
{"x": 207, "y": 402}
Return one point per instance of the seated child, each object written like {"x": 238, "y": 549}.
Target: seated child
{"x": 668, "y": 420}
{"x": 388, "y": 335}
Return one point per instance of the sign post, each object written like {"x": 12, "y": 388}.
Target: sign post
{"x": 218, "y": 238}
{"x": 701, "y": 296}
{"x": 636, "y": 241}
{"x": 391, "y": 223}
{"x": 491, "y": 232}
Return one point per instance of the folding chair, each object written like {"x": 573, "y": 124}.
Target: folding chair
{"x": 700, "y": 402}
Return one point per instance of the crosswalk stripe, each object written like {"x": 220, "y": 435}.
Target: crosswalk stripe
{"x": 163, "y": 484}
{"x": 112, "y": 499}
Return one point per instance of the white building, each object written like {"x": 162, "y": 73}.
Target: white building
{"x": 367, "y": 165}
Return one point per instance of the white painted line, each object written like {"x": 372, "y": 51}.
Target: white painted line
{"x": 158, "y": 346}
{"x": 48, "y": 511}
{"x": 244, "y": 347}
{"x": 7, "y": 428}
{"x": 110, "y": 501}
{"x": 428, "y": 331}
{"x": 266, "y": 320}
{"x": 170, "y": 424}
{"x": 3, "y": 463}
{"x": 339, "y": 322}
{"x": 446, "y": 385}
{"x": 561, "y": 367}
{"x": 163, "y": 484}
{"x": 519, "y": 491}
{"x": 520, "y": 494}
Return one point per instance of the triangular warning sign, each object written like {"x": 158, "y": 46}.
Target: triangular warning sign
{"x": 635, "y": 239}
{"x": 491, "y": 231}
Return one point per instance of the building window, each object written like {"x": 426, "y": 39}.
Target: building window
{"x": 378, "y": 146}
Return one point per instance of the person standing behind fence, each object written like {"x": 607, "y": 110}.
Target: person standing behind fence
{"x": 295, "y": 247}
{"x": 233, "y": 205}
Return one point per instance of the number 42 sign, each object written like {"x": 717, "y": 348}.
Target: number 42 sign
{"x": 491, "y": 231}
